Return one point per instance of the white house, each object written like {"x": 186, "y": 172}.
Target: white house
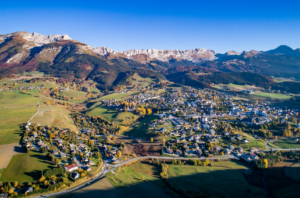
{"x": 71, "y": 168}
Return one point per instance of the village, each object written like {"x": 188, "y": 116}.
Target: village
{"x": 207, "y": 123}
{"x": 187, "y": 123}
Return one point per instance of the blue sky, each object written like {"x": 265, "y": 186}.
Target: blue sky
{"x": 146, "y": 24}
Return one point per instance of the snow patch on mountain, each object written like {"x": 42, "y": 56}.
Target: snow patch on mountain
{"x": 39, "y": 39}
{"x": 36, "y": 38}
{"x": 194, "y": 55}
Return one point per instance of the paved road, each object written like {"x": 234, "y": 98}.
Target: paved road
{"x": 276, "y": 149}
{"x": 113, "y": 167}
{"x": 91, "y": 181}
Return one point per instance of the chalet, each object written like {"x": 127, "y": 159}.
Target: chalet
{"x": 178, "y": 152}
{"x": 212, "y": 132}
{"x": 171, "y": 144}
{"x": 202, "y": 145}
{"x": 227, "y": 151}
{"x": 87, "y": 168}
{"x": 168, "y": 150}
{"x": 195, "y": 145}
{"x": 238, "y": 136}
{"x": 217, "y": 149}
{"x": 35, "y": 134}
{"x": 71, "y": 168}
{"x": 28, "y": 190}
{"x": 225, "y": 133}
{"x": 246, "y": 141}
{"x": 186, "y": 148}
{"x": 91, "y": 163}
{"x": 199, "y": 152}
{"x": 253, "y": 150}
{"x": 75, "y": 175}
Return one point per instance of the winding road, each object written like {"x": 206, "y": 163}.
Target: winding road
{"x": 277, "y": 149}
{"x": 105, "y": 170}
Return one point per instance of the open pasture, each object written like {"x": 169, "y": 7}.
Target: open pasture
{"x": 7, "y": 151}
{"x": 16, "y": 108}
{"x": 53, "y": 115}
{"x": 111, "y": 115}
{"x": 25, "y": 167}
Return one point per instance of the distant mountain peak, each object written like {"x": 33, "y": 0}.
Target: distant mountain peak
{"x": 36, "y": 38}
{"x": 284, "y": 50}
{"x": 195, "y": 55}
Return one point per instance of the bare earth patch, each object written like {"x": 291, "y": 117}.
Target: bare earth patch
{"x": 7, "y": 151}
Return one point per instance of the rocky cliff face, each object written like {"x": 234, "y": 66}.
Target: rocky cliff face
{"x": 36, "y": 38}
{"x": 195, "y": 55}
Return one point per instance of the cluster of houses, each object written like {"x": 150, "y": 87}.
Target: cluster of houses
{"x": 65, "y": 150}
{"x": 109, "y": 153}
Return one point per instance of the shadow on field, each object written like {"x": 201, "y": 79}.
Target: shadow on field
{"x": 36, "y": 174}
{"x": 19, "y": 149}
{"x": 228, "y": 183}
{"x": 90, "y": 104}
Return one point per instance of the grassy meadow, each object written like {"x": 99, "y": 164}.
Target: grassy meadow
{"x": 141, "y": 127}
{"x": 140, "y": 81}
{"x": 118, "y": 96}
{"x": 73, "y": 93}
{"x": 25, "y": 167}
{"x": 222, "y": 179}
{"x": 15, "y": 108}
{"x": 104, "y": 188}
{"x": 287, "y": 144}
{"x": 53, "y": 115}
{"x": 272, "y": 95}
{"x": 111, "y": 115}
{"x": 38, "y": 84}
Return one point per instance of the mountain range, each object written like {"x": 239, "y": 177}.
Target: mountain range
{"x": 61, "y": 56}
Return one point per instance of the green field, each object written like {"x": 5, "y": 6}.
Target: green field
{"x": 25, "y": 168}
{"x": 52, "y": 115}
{"x": 141, "y": 128}
{"x": 15, "y": 108}
{"x": 287, "y": 144}
{"x": 272, "y": 95}
{"x": 118, "y": 96}
{"x": 140, "y": 81}
{"x": 132, "y": 175}
{"x": 222, "y": 179}
{"x": 72, "y": 93}
{"x": 104, "y": 188}
{"x": 34, "y": 73}
{"x": 254, "y": 142}
{"x": 111, "y": 115}
{"x": 38, "y": 84}
{"x": 95, "y": 90}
